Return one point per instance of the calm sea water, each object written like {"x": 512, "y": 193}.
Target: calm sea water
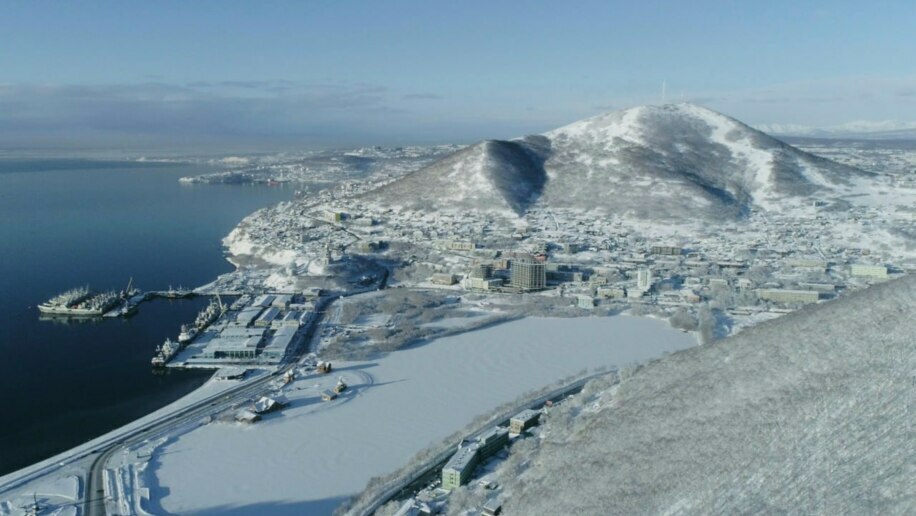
{"x": 65, "y": 223}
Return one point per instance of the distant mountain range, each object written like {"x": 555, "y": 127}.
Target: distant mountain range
{"x": 656, "y": 162}
{"x": 867, "y": 130}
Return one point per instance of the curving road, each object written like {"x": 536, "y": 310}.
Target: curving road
{"x": 95, "y": 499}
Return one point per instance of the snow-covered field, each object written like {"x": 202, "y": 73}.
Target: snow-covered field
{"x": 309, "y": 457}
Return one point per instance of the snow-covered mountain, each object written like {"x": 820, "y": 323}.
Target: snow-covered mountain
{"x": 657, "y": 162}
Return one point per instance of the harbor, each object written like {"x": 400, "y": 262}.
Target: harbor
{"x": 253, "y": 330}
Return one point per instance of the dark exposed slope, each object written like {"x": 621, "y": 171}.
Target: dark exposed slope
{"x": 492, "y": 174}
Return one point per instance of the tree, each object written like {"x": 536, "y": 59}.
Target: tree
{"x": 706, "y": 324}
{"x": 683, "y": 320}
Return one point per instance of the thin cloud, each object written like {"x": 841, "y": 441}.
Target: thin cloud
{"x": 165, "y": 112}
{"x": 422, "y": 96}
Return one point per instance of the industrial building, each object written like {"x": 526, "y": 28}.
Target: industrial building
{"x": 528, "y": 275}
{"x": 277, "y": 346}
{"x": 263, "y": 301}
{"x": 260, "y": 332}
{"x": 247, "y": 316}
{"x": 266, "y": 318}
{"x": 234, "y": 348}
{"x": 282, "y": 301}
{"x": 292, "y": 319}
{"x": 788, "y": 296}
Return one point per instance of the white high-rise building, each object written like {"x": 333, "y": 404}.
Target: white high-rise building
{"x": 644, "y": 279}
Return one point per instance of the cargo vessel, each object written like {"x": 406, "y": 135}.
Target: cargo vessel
{"x": 167, "y": 350}
{"x": 80, "y": 302}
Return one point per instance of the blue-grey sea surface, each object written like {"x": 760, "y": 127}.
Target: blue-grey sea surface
{"x": 65, "y": 223}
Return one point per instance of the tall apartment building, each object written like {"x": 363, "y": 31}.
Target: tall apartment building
{"x": 527, "y": 275}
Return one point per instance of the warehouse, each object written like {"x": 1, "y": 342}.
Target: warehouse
{"x": 276, "y": 348}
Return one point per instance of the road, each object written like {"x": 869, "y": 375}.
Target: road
{"x": 405, "y": 487}
{"x": 95, "y": 499}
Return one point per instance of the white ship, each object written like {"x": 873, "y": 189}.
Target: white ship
{"x": 176, "y": 293}
{"x": 187, "y": 334}
{"x": 204, "y": 319}
{"x": 165, "y": 352}
{"x": 80, "y": 302}
{"x": 210, "y": 313}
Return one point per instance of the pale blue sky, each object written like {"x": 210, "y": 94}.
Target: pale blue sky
{"x": 335, "y": 73}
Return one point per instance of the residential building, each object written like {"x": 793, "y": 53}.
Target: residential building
{"x": 523, "y": 421}
{"x": 471, "y": 453}
{"x": 584, "y": 301}
{"x": 528, "y": 275}
{"x": 788, "y": 296}
{"x": 644, "y": 279}
{"x": 443, "y": 279}
{"x": 481, "y": 284}
{"x": 666, "y": 250}
{"x": 481, "y": 271}
{"x": 868, "y": 271}
{"x": 611, "y": 292}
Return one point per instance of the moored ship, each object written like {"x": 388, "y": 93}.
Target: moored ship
{"x": 176, "y": 293}
{"x": 165, "y": 352}
{"x": 187, "y": 334}
{"x": 80, "y": 302}
{"x": 210, "y": 313}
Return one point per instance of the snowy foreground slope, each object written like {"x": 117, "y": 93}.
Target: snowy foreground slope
{"x": 659, "y": 162}
{"x": 813, "y": 413}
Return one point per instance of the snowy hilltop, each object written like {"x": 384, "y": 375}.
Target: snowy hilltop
{"x": 654, "y": 162}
